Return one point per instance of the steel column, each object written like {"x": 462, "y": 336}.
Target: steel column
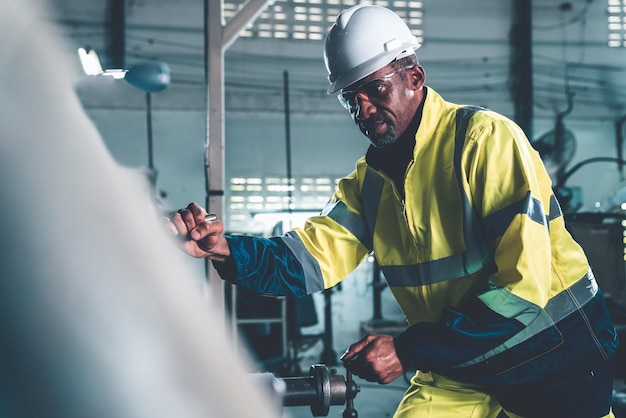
{"x": 521, "y": 67}
{"x": 218, "y": 37}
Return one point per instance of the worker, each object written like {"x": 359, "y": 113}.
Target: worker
{"x": 505, "y": 317}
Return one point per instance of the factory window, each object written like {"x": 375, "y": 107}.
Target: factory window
{"x": 256, "y": 205}
{"x": 310, "y": 19}
{"x": 617, "y": 23}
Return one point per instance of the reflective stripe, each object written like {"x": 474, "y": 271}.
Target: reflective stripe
{"x": 498, "y": 222}
{"x": 555, "y": 208}
{"x": 338, "y": 211}
{"x": 436, "y": 271}
{"x": 329, "y": 208}
{"x": 463, "y": 116}
{"x": 310, "y": 266}
{"x": 532, "y": 316}
{"x": 370, "y": 195}
{"x": 471, "y": 231}
{"x": 477, "y": 255}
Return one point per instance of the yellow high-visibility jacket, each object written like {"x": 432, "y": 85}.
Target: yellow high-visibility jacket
{"x": 494, "y": 289}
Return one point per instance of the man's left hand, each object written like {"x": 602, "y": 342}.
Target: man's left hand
{"x": 374, "y": 359}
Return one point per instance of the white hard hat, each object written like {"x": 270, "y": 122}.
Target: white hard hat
{"x": 363, "y": 40}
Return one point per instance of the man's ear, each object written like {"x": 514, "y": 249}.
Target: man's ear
{"x": 416, "y": 76}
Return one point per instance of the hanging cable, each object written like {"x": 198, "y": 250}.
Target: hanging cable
{"x": 563, "y": 7}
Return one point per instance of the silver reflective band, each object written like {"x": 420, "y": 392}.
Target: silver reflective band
{"x": 534, "y": 318}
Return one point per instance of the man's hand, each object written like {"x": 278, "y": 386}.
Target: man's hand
{"x": 374, "y": 359}
{"x": 201, "y": 238}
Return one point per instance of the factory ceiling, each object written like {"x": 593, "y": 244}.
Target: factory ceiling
{"x": 467, "y": 51}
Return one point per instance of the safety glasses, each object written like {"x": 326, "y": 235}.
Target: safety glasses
{"x": 371, "y": 91}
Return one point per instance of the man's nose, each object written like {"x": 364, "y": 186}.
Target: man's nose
{"x": 364, "y": 109}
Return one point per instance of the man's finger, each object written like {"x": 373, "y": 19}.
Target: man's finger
{"x": 171, "y": 227}
{"x": 357, "y": 347}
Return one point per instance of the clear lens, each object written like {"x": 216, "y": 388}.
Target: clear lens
{"x": 344, "y": 100}
{"x": 368, "y": 91}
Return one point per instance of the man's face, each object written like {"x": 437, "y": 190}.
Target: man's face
{"x": 384, "y": 103}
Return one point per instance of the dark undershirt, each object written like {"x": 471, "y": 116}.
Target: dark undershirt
{"x": 394, "y": 159}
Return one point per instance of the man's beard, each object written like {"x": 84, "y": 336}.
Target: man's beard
{"x": 379, "y": 140}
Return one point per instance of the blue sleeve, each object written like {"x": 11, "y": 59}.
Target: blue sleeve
{"x": 435, "y": 346}
{"x": 471, "y": 343}
{"x": 263, "y": 265}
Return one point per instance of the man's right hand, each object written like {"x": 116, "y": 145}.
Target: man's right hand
{"x": 201, "y": 238}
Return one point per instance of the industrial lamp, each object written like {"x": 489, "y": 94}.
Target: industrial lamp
{"x": 149, "y": 77}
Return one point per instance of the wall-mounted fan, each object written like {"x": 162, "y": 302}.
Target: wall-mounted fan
{"x": 558, "y": 146}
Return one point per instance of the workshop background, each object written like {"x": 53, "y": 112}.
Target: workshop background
{"x": 243, "y": 124}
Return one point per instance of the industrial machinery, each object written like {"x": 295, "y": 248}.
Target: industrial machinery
{"x": 321, "y": 389}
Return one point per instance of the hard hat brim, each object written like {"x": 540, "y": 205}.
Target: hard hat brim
{"x": 370, "y": 67}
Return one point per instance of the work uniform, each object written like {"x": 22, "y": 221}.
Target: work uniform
{"x": 502, "y": 307}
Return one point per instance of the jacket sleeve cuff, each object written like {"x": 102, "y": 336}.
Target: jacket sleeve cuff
{"x": 404, "y": 344}
{"x": 227, "y": 269}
